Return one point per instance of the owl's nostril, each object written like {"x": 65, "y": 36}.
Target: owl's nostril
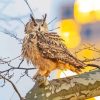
{"x": 39, "y": 28}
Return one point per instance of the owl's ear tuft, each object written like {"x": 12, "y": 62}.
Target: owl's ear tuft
{"x": 33, "y": 19}
{"x": 44, "y": 18}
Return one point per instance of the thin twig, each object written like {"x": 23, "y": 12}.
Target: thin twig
{"x": 29, "y": 7}
{"x": 54, "y": 29}
{"x": 13, "y": 68}
{"x": 21, "y": 21}
{"x": 14, "y": 58}
{"x": 20, "y": 63}
{"x": 94, "y": 59}
{"x": 52, "y": 20}
{"x": 94, "y": 65}
{"x": 10, "y": 34}
{"x": 12, "y": 86}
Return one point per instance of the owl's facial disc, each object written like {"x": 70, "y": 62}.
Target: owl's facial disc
{"x": 36, "y": 25}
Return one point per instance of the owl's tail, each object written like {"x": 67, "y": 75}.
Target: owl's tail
{"x": 79, "y": 66}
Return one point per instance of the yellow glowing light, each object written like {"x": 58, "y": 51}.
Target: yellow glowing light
{"x": 91, "y": 99}
{"x": 86, "y": 11}
{"x": 85, "y": 53}
{"x": 97, "y": 14}
{"x": 96, "y": 9}
{"x": 69, "y": 32}
{"x": 83, "y": 11}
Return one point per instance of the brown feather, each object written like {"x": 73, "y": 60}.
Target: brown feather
{"x": 46, "y": 50}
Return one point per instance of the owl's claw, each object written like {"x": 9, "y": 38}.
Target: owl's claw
{"x": 40, "y": 80}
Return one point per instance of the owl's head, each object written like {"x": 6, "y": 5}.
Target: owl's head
{"x": 36, "y": 25}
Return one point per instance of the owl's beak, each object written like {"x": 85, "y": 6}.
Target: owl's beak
{"x": 39, "y": 29}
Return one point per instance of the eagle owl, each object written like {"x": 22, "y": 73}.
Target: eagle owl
{"x": 46, "y": 50}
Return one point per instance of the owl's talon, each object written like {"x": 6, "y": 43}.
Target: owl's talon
{"x": 40, "y": 80}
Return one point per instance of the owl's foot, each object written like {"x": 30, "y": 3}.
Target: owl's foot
{"x": 40, "y": 80}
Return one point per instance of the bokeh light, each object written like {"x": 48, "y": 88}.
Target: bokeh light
{"x": 69, "y": 31}
{"x": 83, "y": 11}
{"x": 87, "y": 11}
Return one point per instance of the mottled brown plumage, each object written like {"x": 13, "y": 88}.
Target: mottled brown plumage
{"x": 46, "y": 50}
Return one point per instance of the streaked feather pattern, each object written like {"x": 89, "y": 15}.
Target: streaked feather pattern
{"x": 51, "y": 47}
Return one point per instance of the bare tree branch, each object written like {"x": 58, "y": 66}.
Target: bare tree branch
{"x": 6, "y": 72}
{"x": 13, "y": 68}
{"x": 86, "y": 85}
{"x": 13, "y": 86}
{"x": 94, "y": 59}
{"x": 3, "y": 30}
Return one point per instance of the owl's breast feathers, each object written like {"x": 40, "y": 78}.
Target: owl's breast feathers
{"x": 49, "y": 53}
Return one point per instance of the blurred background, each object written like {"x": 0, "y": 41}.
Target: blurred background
{"x": 79, "y": 22}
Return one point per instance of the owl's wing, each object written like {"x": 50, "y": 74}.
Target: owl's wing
{"x": 51, "y": 46}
